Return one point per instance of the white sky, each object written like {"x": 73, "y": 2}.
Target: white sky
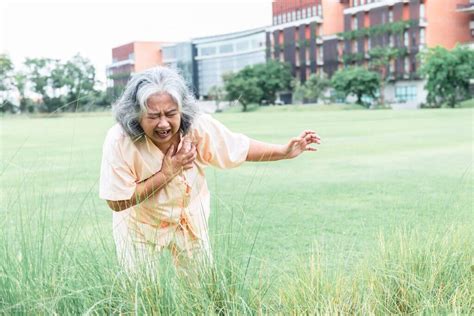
{"x": 60, "y": 29}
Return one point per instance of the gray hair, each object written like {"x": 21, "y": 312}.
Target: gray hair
{"x": 131, "y": 106}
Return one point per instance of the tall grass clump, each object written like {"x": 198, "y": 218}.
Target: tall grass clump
{"x": 412, "y": 271}
{"x": 49, "y": 266}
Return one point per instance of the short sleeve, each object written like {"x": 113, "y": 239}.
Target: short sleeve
{"x": 217, "y": 145}
{"x": 117, "y": 182}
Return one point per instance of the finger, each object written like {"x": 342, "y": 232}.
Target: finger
{"x": 309, "y": 148}
{"x": 188, "y": 166}
{"x": 189, "y": 154}
{"x": 307, "y": 132}
{"x": 312, "y": 139}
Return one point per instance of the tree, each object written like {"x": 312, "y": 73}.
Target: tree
{"x": 298, "y": 91}
{"x": 6, "y": 68}
{"x": 19, "y": 81}
{"x": 356, "y": 80}
{"x": 243, "y": 87}
{"x": 217, "y": 93}
{"x": 315, "y": 86}
{"x": 38, "y": 73}
{"x": 79, "y": 80}
{"x": 380, "y": 59}
{"x": 448, "y": 74}
{"x": 272, "y": 77}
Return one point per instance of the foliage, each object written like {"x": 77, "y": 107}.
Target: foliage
{"x": 264, "y": 82}
{"x": 217, "y": 93}
{"x": 387, "y": 28}
{"x": 357, "y": 81}
{"x": 67, "y": 86}
{"x": 316, "y": 84}
{"x": 272, "y": 77}
{"x": 6, "y": 68}
{"x": 448, "y": 74}
{"x": 243, "y": 87}
{"x": 312, "y": 89}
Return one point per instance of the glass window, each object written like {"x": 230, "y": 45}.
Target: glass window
{"x": 422, "y": 10}
{"x": 303, "y": 13}
{"x": 131, "y": 56}
{"x": 314, "y": 10}
{"x": 298, "y": 14}
{"x": 226, "y": 48}
{"x": 206, "y": 51}
{"x": 405, "y": 39}
{"x": 390, "y": 16}
{"x": 244, "y": 45}
{"x": 293, "y": 15}
{"x": 422, "y": 36}
{"x": 407, "y": 65}
{"x": 354, "y": 22}
{"x": 356, "y": 3}
{"x": 405, "y": 93}
{"x": 320, "y": 10}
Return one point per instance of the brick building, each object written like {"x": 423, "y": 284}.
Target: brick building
{"x": 326, "y": 35}
{"x": 130, "y": 58}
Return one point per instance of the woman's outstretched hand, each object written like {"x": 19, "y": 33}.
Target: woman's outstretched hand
{"x": 297, "y": 145}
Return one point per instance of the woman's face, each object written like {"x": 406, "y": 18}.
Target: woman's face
{"x": 162, "y": 120}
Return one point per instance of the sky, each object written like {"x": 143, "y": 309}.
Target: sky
{"x": 60, "y": 29}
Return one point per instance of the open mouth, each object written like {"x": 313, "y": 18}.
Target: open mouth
{"x": 163, "y": 133}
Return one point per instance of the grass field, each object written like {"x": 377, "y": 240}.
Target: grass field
{"x": 379, "y": 220}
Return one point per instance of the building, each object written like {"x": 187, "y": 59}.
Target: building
{"x": 130, "y": 58}
{"x": 468, "y": 10}
{"x": 304, "y": 34}
{"x": 326, "y": 35}
{"x": 221, "y": 54}
{"x": 181, "y": 56}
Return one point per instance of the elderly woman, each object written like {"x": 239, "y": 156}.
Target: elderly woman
{"x": 153, "y": 168}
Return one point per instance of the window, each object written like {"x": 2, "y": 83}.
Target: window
{"x": 293, "y": 16}
{"x": 314, "y": 10}
{"x": 303, "y": 13}
{"x": 226, "y": 48}
{"x": 407, "y": 65}
{"x": 422, "y": 11}
{"x": 206, "y": 51}
{"x": 422, "y": 36}
{"x": 354, "y": 22}
{"x": 244, "y": 45}
{"x": 320, "y": 10}
{"x": 405, "y": 93}
{"x": 131, "y": 56}
{"x": 308, "y": 11}
{"x": 356, "y": 3}
{"x": 390, "y": 16}
{"x": 275, "y": 20}
{"x": 405, "y": 38}
{"x": 298, "y": 15}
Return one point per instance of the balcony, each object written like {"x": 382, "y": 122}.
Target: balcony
{"x": 468, "y": 8}
{"x": 423, "y": 22}
{"x": 121, "y": 63}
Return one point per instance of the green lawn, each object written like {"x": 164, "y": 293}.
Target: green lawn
{"x": 376, "y": 173}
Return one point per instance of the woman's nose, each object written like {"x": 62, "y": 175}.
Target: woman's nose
{"x": 162, "y": 122}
